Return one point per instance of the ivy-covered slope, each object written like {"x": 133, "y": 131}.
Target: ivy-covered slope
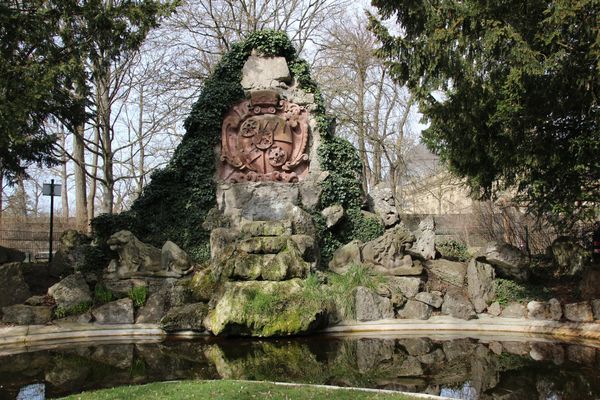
{"x": 176, "y": 201}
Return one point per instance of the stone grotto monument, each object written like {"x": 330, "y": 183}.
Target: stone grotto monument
{"x": 261, "y": 182}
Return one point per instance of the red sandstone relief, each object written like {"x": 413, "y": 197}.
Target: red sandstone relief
{"x": 264, "y": 139}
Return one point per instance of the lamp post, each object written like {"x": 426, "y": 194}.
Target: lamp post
{"x": 51, "y": 189}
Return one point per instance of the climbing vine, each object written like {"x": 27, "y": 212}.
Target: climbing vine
{"x": 176, "y": 201}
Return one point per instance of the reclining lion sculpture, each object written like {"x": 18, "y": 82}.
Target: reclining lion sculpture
{"x": 138, "y": 259}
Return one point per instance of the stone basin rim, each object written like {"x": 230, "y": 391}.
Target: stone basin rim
{"x": 14, "y": 338}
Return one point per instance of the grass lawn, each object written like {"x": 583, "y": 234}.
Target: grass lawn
{"x": 234, "y": 390}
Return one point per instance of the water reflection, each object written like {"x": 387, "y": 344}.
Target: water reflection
{"x": 464, "y": 368}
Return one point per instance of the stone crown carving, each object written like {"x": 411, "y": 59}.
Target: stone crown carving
{"x": 264, "y": 139}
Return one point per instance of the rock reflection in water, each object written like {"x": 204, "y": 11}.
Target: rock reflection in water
{"x": 461, "y": 368}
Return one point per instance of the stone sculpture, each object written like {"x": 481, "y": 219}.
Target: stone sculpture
{"x": 138, "y": 259}
{"x": 264, "y": 139}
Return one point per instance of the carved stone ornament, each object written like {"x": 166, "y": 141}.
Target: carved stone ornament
{"x": 264, "y": 139}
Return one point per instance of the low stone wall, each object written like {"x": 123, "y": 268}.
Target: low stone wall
{"x": 44, "y": 336}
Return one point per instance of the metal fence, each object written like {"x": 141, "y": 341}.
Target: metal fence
{"x": 31, "y": 234}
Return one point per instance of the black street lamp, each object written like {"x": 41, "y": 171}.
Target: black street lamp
{"x": 51, "y": 189}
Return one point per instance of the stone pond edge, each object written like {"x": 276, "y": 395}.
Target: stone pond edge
{"x": 40, "y": 335}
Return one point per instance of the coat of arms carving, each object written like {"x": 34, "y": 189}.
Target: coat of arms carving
{"x": 264, "y": 139}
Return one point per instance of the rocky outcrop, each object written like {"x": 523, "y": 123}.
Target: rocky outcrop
{"x": 264, "y": 72}
{"x": 596, "y": 309}
{"x": 385, "y": 255}
{"x": 8, "y": 255}
{"x": 333, "y": 215}
{"x": 494, "y": 309}
{"x": 154, "y": 309}
{"x": 369, "y": 306}
{"x": 408, "y": 286}
{"x": 13, "y": 288}
{"x": 26, "y": 315}
{"x": 115, "y": 312}
{"x": 425, "y": 244}
{"x": 544, "y": 310}
{"x": 346, "y": 256}
{"x": 509, "y": 261}
{"x": 569, "y": 256}
{"x": 186, "y": 317}
{"x": 480, "y": 284}
{"x": 457, "y": 305}
{"x": 263, "y": 308}
{"x": 383, "y": 203}
{"x": 71, "y": 291}
{"x": 70, "y": 254}
{"x": 514, "y": 310}
{"x": 590, "y": 284}
{"x": 414, "y": 309}
{"x": 579, "y": 312}
{"x": 450, "y": 272}
{"x": 434, "y": 299}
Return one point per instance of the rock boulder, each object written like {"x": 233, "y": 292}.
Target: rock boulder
{"x": 20, "y": 314}
{"x": 263, "y": 308}
{"x": 115, "y": 312}
{"x": 509, "y": 261}
{"x": 346, "y": 256}
{"x": 333, "y": 215}
{"x": 434, "y": 299}
{"x": 186, "y": 317}
{"x": 457, "y": 305}
{"x": 569, "y": 255}
{"x": 544, "y": 310}
{"x": 480, "y": 281}
{"x": 514, "y": 310}
{"x": 71, "y": 291}
{"x": 13, "y": 288}
{"x": 8, "y": 255}
{"x": 425, "y": 244}
{"x": 264, "y": 72}
{"x": 450, "y": 272}
{"x": 579, "y": 312}
{"x": 414, "y": 309}
{"x": 369, "y": 306}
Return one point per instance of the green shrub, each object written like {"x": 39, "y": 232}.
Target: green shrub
{"x": 343, "y": 185}
{"x": 453, "y": 250}
{"x": 96, "y": 258}
{"x": 62, "y": 312}
{"x": 102, "y": 294}
{"x": 104, "y": 225}
{"x": 508, "y": 291}
{"x": 138, "y": 294}
{"x": 355, "y": 225}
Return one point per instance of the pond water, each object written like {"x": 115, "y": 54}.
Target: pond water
{"x": 462, "y": 368}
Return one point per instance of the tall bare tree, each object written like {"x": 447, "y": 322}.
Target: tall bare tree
{"x": 373, "y": 112}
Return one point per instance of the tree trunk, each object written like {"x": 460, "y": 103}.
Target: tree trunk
{"x": 103, "y": 108}
{"x": 81, "y": 203}
{"x": 140, "y": 139}
{"x": 377, "y": 137}
{"x": 64, "y": 193}
{"x": 91, "y": 200}
{"x": 362, "y": 150}
{"x": 21, "y": 197}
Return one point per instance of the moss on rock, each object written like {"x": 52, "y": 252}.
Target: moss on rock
{"x": 203, "y": 285}
{"x": 264, "y": 308}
